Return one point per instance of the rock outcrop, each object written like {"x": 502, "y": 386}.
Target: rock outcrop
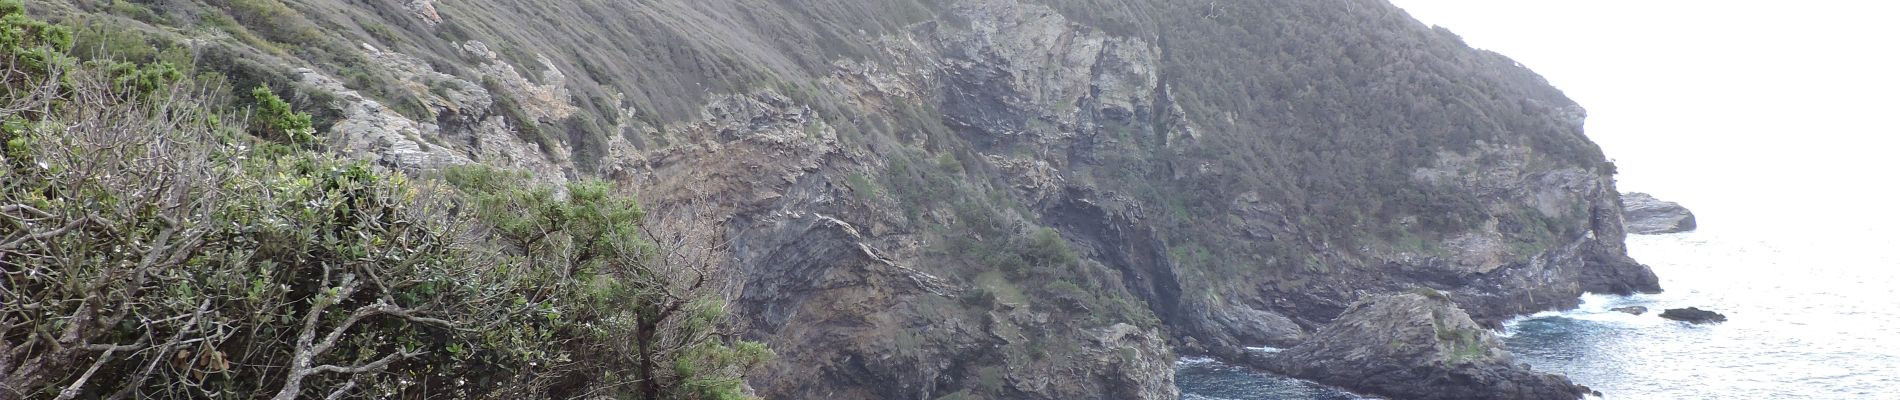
{"x": 1694, "y": 315}
{"x": 1417, "y": 346}
{"x": 425, "y": 10}
{"x": 1647, "y": 215}
{"x": 1632, "y": 310}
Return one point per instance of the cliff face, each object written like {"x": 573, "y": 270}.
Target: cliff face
{"x": 985, "y": 198}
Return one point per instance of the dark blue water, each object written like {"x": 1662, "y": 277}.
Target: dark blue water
{"x": 1206, "y": 379}
{"x": 1811, "y": 316}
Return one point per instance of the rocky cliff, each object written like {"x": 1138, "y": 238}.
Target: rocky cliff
{"x": 981, "y": 198}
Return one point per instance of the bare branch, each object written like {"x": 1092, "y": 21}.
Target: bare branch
{"x": 15, "y": 208}
{"x": 342, "y": 391}
{"x": 165, "y": 348}
{"x": 72, "y": 390}
{"x": 109, "y": 348}
{"x": 373, "y": 366}
{"x": 307, "y": 337}
{"x": 15, "y": 243}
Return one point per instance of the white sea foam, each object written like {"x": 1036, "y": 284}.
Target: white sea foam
{"x": 1590, "y": 307}
{"x": 1194, "y": 361}
{"x": 1510, "y": 325}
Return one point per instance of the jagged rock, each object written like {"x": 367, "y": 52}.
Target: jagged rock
{"x": 1417, "y": 346}
{"x": 368, "y": 130}
{"x": 816, "y": 283}
{"x": 1479, "y": 263}
{"x": 1033, "y": 178}
{"x": 1191, "y": 347}
{"x": 1613, "y": 272}
{"x": 1694, "y": 315}
{"x": 1631, "y": 310}
{"x": 1136, "y": 362}
{"x": 464, "y": 129}
{"x": 425, "y": 9}
{"x": 1022, "y": 69}
{"x": 1646, "y": 215}
{"x": 1251, "y": 327}
{"x": 547, "y": 101}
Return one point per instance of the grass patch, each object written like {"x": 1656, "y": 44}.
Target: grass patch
{"x": 862, "y": 186}
{"x": 1005, "y": 290}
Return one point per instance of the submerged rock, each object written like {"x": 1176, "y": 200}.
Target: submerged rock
{"x": 1417, "y": 346}
{"x": 1694, "y": 315}
{"x": 1645, "y": 215}
{"x": 1631, "y": 310}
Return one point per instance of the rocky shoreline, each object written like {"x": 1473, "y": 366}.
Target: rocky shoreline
{"x": 1415, "y": 346}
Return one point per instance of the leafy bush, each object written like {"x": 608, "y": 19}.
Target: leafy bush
{"x": 275, "y": 120}
{"x": 30, "y": 48}
{"x": 632, "y": 310}
{"x": 149, "y": 78}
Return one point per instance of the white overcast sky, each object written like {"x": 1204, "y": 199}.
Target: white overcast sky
{"x": 1749, "y": 112}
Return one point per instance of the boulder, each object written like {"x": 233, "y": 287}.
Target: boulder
{"x": 1631, "y": 310}
{"x": 1694, "y": 315}
{"x": 1645, "y": 215}
{"x": 1416, "y": 346}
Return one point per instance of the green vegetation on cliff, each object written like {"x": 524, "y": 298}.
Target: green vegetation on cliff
{"x": 154, "y": 245}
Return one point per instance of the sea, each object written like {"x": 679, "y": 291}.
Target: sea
{"x": 1811, "y": 315}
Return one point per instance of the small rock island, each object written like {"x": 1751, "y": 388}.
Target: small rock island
{"x": 1694, "y": 315}
{"x": 1647, "y": 215}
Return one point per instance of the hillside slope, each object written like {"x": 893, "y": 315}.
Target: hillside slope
{"x": 977, "y": 198}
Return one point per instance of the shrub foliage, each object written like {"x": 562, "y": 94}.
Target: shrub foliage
{"x": 149, "y": 249}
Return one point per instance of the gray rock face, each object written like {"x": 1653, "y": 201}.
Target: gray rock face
{"x": 1417, "y": 346}
{"x": 370, "y": 131}
{"x": 850, "y": 307}
{"x": 1646, "y": 215}
{"x": 465, "y": 131}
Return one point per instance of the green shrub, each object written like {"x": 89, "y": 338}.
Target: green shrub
{"x": 106, "y": 38}
{"x": 639, "y": 309}
{"x": 148, "y": 78}
{"x": 273, "y": 119}
{"x": 35, "y": 47}
{"x": 861, "y": 186}
{"x": 1046, "y": 247}
{"x": 136, "y": 11}
{"x": 381, "y": 32}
